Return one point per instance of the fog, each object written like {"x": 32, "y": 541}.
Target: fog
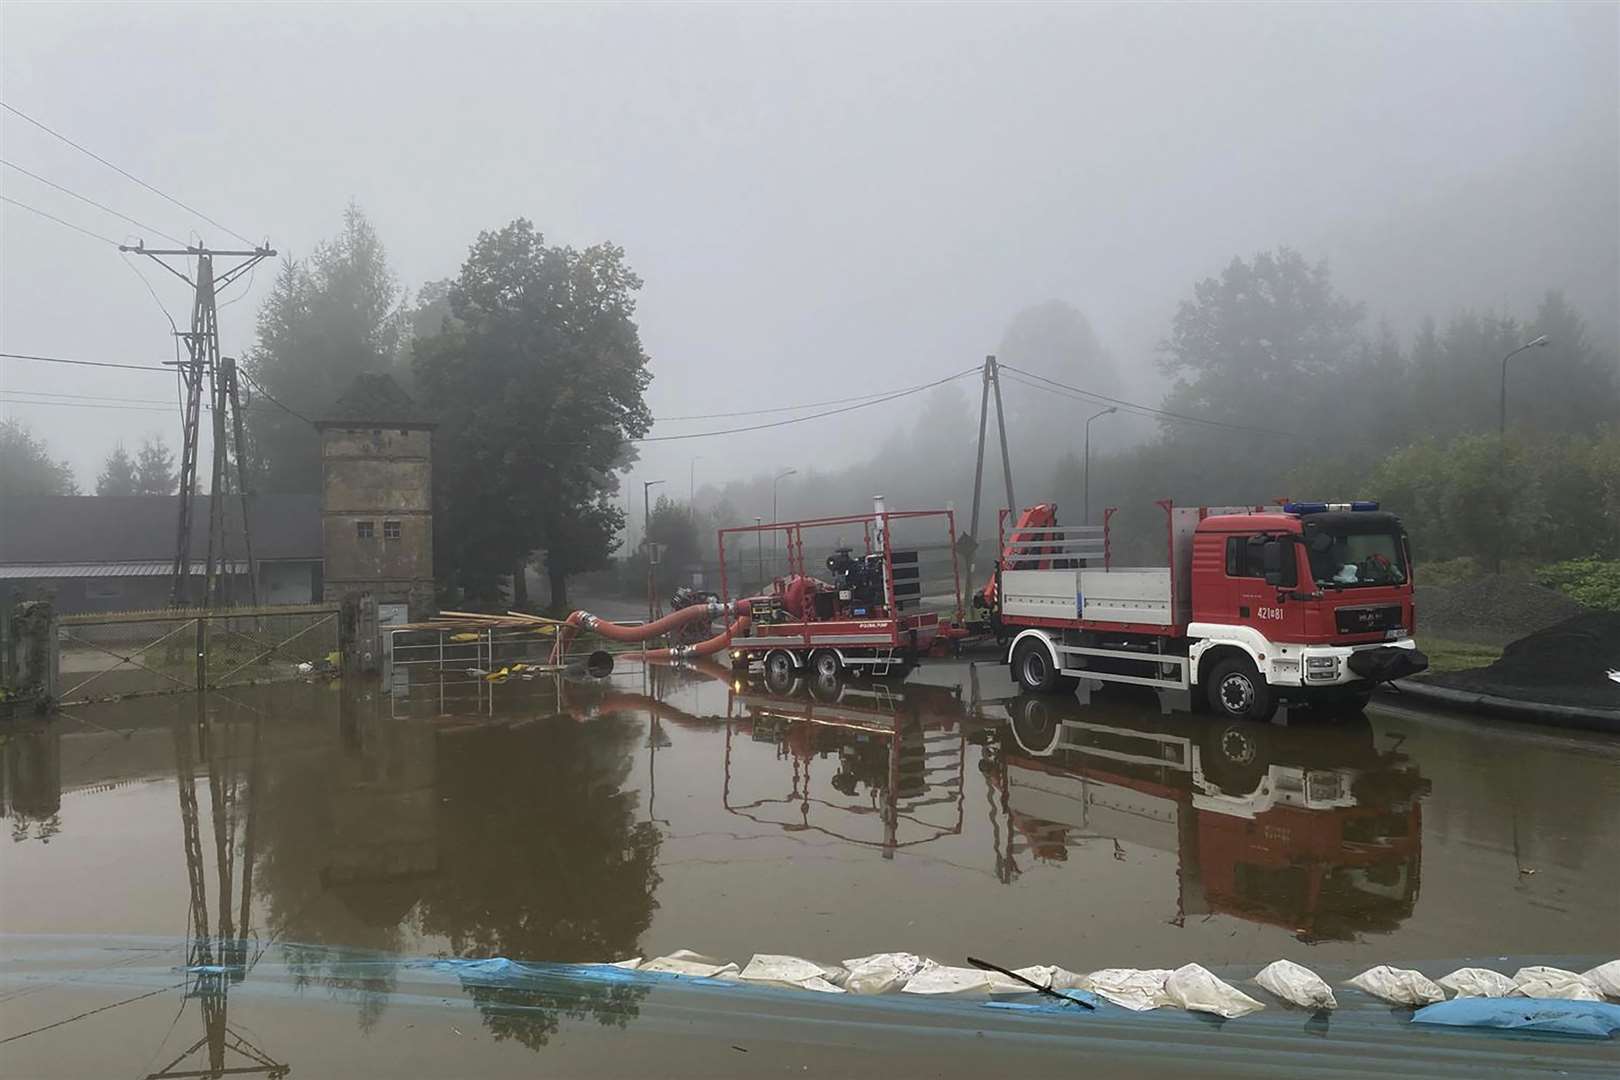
{"x": 823, "y": 201}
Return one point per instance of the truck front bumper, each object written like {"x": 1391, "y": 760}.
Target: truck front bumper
{"x": 1337, "y": 665}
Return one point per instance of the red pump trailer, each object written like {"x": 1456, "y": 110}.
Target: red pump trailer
{"x": 865, "y": 620}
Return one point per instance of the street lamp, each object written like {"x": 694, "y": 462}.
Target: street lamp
{"x": 1086, "y": 515}
{"x": 1501, "y": 445}
{"x": 774, "y": 518}
{"x": 646, "y": 540}
{"x": 1501, "y": 427}
{"x": 691, "y": 483}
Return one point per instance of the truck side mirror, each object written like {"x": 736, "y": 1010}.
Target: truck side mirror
{"x": 1271, "y": 562}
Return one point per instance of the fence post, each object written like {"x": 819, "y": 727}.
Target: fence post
{"x": 32, "y": 657}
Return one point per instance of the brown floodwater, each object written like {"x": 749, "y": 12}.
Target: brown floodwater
{"x": 307, "y": 876}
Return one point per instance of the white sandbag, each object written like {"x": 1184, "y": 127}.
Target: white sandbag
{"x": 1049, "y": 976}
{"x": 1605, "y": 979}
{"x": 881, "y": 973}
{"x": 1197, "y": 989}
{"x": 790, "y": 971}
{"x": 1403, "y": 986}
{"x": 1477, "y": 982}
{"x": 1551, "y": 982}
{"x": 940, "y": 979}
{"x": 686, "y": 962}
{"x": 1130, "y": 988}
{"x": 629, "y": 965}
{"x": 1296, "y": 985}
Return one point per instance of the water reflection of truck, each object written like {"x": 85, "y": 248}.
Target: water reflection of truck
{"x": 1303, "y": 601}
{"x": 1310, "y": 828}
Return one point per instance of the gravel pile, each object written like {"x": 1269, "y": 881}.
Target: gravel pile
{"x": 1566, "y": 663}
{"x": 1492, "y": 610}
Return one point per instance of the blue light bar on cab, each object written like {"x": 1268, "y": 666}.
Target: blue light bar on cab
{"x": 1364, "y": 504}
{"x": 1305, "y": 508}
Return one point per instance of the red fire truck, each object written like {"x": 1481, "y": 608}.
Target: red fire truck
{"x": 1304, "y": 602}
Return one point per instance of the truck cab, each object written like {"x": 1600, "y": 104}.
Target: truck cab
{"x": 1318, "y": 596}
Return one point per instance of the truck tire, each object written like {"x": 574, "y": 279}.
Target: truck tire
{"x": 824, "y": 664}
{"x": 1237, "y": 692}
{"x": 778, "y": 671}
{"x": 1034, "y": 671}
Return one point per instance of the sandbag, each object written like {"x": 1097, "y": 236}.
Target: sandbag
{"x": 940, "y": 979}
{"x": 1051, "y": 977}
{"x": 1402, "y": 986}
{"x": 881, "y": 973}
{"x": 1605, "y": 979}
{"x": 1197, "y": 989}
{"x": 630, "y": 965}
{"x": 1130, "y": 988}
{"x": 1296, "y": 985}
{"x": 1477, "y": 982}
{"x": 1551, "y": 982}
{"x": 1593, "y": 1018}
{"x": 792, "y": 972}
{"x": 696, "y": 965}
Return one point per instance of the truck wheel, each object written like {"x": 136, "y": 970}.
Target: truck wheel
{"x": 778, "y": 671}
{"x": 1235, "y": 757}
{"x": 1035, "y": 672}
{"x": 1236, "y": 690}
{"x": 826, "y": 665}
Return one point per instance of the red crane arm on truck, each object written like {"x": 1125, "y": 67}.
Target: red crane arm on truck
{"x": 1039, "y": 516}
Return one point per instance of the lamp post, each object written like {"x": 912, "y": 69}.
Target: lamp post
{"x": 646, "y": 540}
{"x": 1086, "y": 516}
{"x": 774, "y": 518}
{"x": 1501, "y": 443}
{"x": 691, "y": 485}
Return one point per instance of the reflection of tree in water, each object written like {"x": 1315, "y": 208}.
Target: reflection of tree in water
{"x": 542, "y": 859}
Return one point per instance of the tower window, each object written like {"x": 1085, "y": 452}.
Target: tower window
{"x": 363, "y": 530}
{"x": 390, "y": 530}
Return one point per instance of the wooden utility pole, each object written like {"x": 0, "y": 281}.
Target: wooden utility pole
{"x": 992, "y": 384}
{"x": 202, "y": 363}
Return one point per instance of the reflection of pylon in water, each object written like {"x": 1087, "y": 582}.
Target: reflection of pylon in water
{"x": 214, "y": 963}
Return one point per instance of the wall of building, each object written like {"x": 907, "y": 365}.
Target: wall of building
{"x": 376, "y": 514}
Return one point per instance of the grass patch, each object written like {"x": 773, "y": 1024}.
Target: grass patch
{"x": 1446, "y": 655}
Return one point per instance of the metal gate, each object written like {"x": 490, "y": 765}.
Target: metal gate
{"x": 122, "y": 654}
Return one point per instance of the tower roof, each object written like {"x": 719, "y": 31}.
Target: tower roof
{"x": 375, "y": 400}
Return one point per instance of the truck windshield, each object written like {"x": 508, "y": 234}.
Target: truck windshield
{"x": 1353, "y": 559}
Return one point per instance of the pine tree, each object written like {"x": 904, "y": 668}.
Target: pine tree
{"x": 154, "y": 469}
{"x": 118, "y": 474}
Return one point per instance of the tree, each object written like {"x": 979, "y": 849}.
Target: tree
{"x": 26, "y": 467}
{"x": 154, "y": 468}
{"x": 537, "y": 376}
{"x": 1264, "y": 340}
{"x": 329, "y": 318}
{"x": 117, "y": 474}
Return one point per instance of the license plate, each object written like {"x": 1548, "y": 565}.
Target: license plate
{"x": 1363, "y": 620}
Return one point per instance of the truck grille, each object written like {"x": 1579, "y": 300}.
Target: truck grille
{"x": 1365, "y": 620}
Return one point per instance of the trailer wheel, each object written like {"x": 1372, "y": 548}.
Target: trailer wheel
{"x": 778, "y": 671}
{"x": 1035, "y": 672}
{"x": 826, "y": 665}
{"x": 1236, "y": 690}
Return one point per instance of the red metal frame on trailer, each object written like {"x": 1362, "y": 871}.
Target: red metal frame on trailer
{"x": 891, "y": 630}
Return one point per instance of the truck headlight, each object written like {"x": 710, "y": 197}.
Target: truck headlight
{"x": 1322, "y": 668}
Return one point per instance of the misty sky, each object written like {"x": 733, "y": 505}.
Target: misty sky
{"x": 822, "y": 200}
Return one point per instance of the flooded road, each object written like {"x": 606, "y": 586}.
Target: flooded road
{"x": 362, "y": 846}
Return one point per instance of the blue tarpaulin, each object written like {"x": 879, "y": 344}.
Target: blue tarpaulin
{"x": 1553, "y": 1015}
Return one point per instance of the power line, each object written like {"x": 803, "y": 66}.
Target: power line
{"x": 271, "y": 398}
{"x": 813, "y": 416}
{"x": 85, "y": 397}
{"x": 59, "y": 221}
{"x": 85, "y": 363}
{"x": 772, "y": 409}
{"x": 89, "y": 201}
{"x": 1091, "y": 395}
{"x": 167, "y": 407}
{"x": 127, "y": 175}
